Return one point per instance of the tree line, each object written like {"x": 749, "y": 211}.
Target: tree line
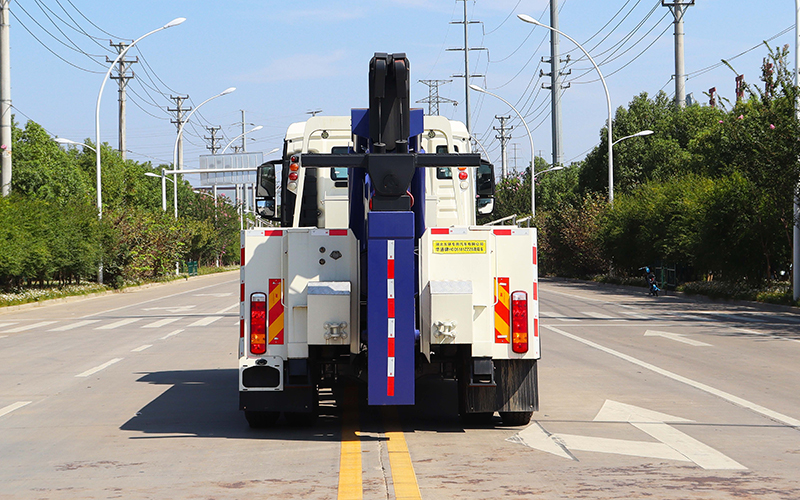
{"x": 50, "y": 230}
{"x": 711, "y": 191}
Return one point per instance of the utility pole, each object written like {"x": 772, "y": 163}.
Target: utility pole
{"x": 467, "y": 75}
{"x": 5, "y": 99}
{"x": 213, "y": 147}
{"x": 503, "y": 141}
{"x": 555, "y": 86}
{"x": 123, "y": 78}
{"x": 179, "y": 112}
{"x": 678, "y": 8}
{"x": 433, "y": 100}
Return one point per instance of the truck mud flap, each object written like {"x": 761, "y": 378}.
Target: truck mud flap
{"x": 515, "y": 388}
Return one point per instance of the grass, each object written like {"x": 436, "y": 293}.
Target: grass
{"x": 772, "y": 292}
{"x": 24, "y": 295}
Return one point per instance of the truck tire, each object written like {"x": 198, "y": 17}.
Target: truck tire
{"x": 516, "y": 418}
{"x": 261, "y": 419}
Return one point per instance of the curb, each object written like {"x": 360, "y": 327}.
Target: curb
{"x": 94, "y": 295}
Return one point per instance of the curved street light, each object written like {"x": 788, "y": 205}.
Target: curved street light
{"x": 122, "y": 53}
{"x": 243, "y": 133}
{"x": 67, "y": 142}
{"x": 551, "y": 169}
{"x": 175, "y": 165}
{"x": 637, "y": 134}
{"x": 528, "y": 19}
{"x": 530, "y": 138}
{"x": 163, "y": 178}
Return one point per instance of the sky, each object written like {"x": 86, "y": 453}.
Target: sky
{"x": 286, "y": 58}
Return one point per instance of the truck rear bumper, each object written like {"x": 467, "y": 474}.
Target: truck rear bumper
{"x": 291, "y": 399}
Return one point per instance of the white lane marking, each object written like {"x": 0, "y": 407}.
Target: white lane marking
{"x": 3, "y": 336}
{"x": 598, "y": 315}
{"x": 636, "y": 315}
{"x": 29, "y": 327}
{"x": 691, "y": 316}
{"x": 172, "y": 309}
{"x": 776, "y": 337}
{"x": 220, "y": 295}
{"x": 654, "y": 424}
{"x": 736, "y": 317}
{"x": 673, "y": 445}
{"x": 3, "y": 325}
{"x": 645, "y": 449}
{"x": 160, "y": 298}
{"x": 227, "y": 309}
{"x": 162, "y": 322}
{"x": 679, "y": 378}
{"x": 72, "y": 326}
{"x": 206, "y": 321}
{"x": 559, "y": 317}
{"x": 15, "y": 406}
{"x": 98, "y": 368}
{"x": 142, "y": 348}
{"x": 237, "y": 323}
{"x": 676, "y": 337}
{"x": 117, "y": 324}
{"x": 172, "y": 334}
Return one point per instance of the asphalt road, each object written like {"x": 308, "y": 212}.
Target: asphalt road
{"x": 133, "y": 395}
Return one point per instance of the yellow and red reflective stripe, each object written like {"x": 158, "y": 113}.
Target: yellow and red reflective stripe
{"x": 275, "y": 308}
{"x": 502, "y": 312}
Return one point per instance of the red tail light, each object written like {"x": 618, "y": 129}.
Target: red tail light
{"x": 519, "y": 322}
{"x": 258, "y": 323}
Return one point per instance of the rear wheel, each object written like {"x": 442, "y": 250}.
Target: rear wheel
{"x": 260, "y": 419}
{"x": 514, "y": 418}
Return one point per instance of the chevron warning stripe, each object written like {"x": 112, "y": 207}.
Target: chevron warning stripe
{"x": 275, "y": 312}
{"x": 502, "y": 312}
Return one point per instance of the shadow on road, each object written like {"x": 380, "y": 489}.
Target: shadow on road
{"x": 204, "y": 403}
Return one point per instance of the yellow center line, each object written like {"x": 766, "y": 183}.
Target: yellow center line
{"x": 350, "y": 482}
{"x": 403, "y": 476}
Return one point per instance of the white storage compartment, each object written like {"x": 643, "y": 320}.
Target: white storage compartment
{"x": 451, "y": 312}
{"x": 328, "y": 317}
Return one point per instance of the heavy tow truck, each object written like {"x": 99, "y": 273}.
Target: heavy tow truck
{"x": 378, "y": 271}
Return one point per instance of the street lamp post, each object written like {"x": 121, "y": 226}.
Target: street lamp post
{"x": 122, "y": 53}
{"x": 240, "y": 135}
{"x": 530, "y": 138}
{"x": 529, "y": 19}
{"x": 177, "y": 140}
{"x": 796, "y": 231}
{"x": 163, "y": 178}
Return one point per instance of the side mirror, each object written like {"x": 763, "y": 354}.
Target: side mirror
{"x": 265, "y": 208}
{"x": 485, "y": 206}
{"x": 485, "y": 180}
{"x": 265, "y": 190}
{"x": 265, "y": 187}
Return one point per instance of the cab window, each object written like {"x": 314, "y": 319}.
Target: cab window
{"x": 339, "y": 173}
{"x": 444, "y": 172}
